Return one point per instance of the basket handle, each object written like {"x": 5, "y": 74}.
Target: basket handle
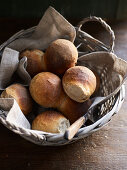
{"x": 104, "y": 24}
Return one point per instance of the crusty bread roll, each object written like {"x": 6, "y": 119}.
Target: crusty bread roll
{"x": 50, "y": 121}
{"x": 79, "y": 83}
{"x": 71, "y": 109}
{"x": 60, "y": 55}
{"x": 35, "y": 63}
{"x": 45, "y": 89}
{"x": 21, "y": 95}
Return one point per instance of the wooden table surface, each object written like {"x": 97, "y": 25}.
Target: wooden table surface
{"x": 103, "y": 150}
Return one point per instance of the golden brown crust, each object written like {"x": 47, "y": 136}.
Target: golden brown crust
{"x": 21, "y": 95}
{"x": 79, "y": 83}
{"x": 60, "y": 55}
{"x": 71, "y": 109}
{"x": 45, "y": 89}
{"x": 49, "y": 121}
{"x": 35, "y": 62}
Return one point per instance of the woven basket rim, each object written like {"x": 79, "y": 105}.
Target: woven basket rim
{"x": 42, "y": 136}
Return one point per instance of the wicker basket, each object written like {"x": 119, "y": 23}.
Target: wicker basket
{"x": 104, "y": 111}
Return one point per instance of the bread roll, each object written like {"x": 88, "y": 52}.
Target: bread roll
{"x": 79, "y": 83}
{"x": 35, "y": 63}
{"x": 50, "y": 121}
{"x": 71, "y": 109}
{"x": 21, "y": 95}
{"x": 60, "y": 55}
{"x": 45, "y": 89}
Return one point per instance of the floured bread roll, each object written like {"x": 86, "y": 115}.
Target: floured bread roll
{"x": 60, "y": 56}
{"x": 21, "y": 95}
{"x": 50, "y": 121}
{"x": 35, "y": 63}
{"x": 79, "y": 83}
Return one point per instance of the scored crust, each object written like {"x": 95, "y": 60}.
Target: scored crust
{"x": 45, "y": 89}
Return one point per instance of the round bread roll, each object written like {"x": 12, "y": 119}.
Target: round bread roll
{"x": 79, "y": 83}
{"x": 21, "y": 95}
{"x": 45, "y": 89}
{"x": 50, "y": 121}
{"x": 35, "y": 63}
{"x": 71, "y": 109}
{"x": 60, "y": 56}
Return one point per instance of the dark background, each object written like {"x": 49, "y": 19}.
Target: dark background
{"x": 22, "y": 14}
{"x": 74, "y": 9}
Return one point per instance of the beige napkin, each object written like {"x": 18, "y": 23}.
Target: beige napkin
{"x": 51, "y": 27}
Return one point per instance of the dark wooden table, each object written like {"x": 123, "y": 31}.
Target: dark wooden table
{"x": 104, "y": 150}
